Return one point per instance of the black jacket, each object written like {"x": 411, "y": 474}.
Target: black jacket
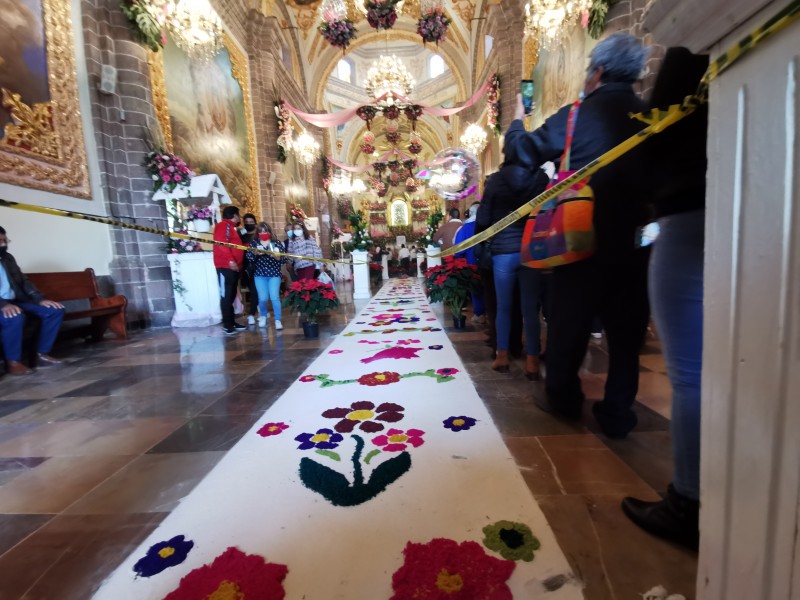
{"x": 505, "y": 191}
{"x": 621, "y": 188}
{"x": 24, "y": 290}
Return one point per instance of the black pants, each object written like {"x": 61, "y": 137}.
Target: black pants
{"x": 618, "y": 295}
{"x": 404, "y": 264}
{"x": 252, "y": 293}
{"x": 228, "y": 282}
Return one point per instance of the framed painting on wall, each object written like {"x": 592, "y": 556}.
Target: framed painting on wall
{"x": 41, "y": 133}
{"x": 206, "y": 117}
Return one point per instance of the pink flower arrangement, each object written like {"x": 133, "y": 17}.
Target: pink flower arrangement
{"x": 338, "y": 32}
{"x": 167, "y": 170}
{"x": 381, "y": 14}
{"x": 493, "y": 105}
{"x": 432, "y": 25}
{"x": 196, "y": 213}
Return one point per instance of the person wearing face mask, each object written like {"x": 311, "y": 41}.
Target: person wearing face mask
{"x": 289, "y": 232}
{"x": 20, "y": 299}
{"x": 228, "y": 262}
{"x": 267, "y": 273}
{"x": 303, "y": 244}
{"x": 248, "y": 234}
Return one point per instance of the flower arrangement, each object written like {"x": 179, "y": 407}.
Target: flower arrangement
{"x": 327, "y": 173}
{"x": 367, "y": 142}
{"x": 284, "y": 129}
{"x": 377, "y": 206}
{"x": 200, "y": 213}
{"x": 178, "y": 246}
{"x": 146, "y": 20}
{"x": 420, "y": 203}
{"x": 338, "y": 32}
{"x": 360, "y": 239}
{"x": 381, "y": 14}
{"x": 345, "y": 206}
{"x": 309, "y": 297}
{"x": 296, "y": 214}
{"x": 433, "y": 225}
{"x": 420, "y": 216}
{"x": 409, "y": 164}
{"x": 411, "y": 185}
{"x": 392, "y": 137}
{"x": 167, "y": 170}
{"x": 415, "y": 143}
{"x": 377, "y": 186}
{"x": 413, "y": 112}
{"x": 493, "y": 105}
{"x": 367, "y": 113}
{"x": 378, "y": 219}
{"x": 379, "y": 167}
{"x": 432, "y": 25}
{"x": 391, "y": 113}
{"x": 394, "y": 178}
{"x": 452, "y": 283}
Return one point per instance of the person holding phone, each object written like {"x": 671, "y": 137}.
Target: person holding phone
{"x": 526, "y": 91}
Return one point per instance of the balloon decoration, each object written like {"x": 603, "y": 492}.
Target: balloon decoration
{"x": 455, "y": 173}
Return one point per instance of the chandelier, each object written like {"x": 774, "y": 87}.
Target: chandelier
{"x": 305, "y": 148}
{"x": 388, "y": 75}
{"x": 474, "y": 139}
{"x": 195, "y": 27}
{"x": 343, "y": 185}
{"x": 553, "y": 18}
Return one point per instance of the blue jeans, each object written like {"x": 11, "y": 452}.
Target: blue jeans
{"x": 676, "y": 297}
{"x": 269, "y": 288}
{"x": 507, "y": 273}
{"x": 11, "y": 329}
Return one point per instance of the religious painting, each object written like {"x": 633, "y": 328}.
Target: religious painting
{"x": 205, "y": 115}
{"x": 399, "y": 213}
{"x": 297, "y": 179}
{"x": 41, "y": 134}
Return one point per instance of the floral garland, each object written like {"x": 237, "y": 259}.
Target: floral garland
{"x": 167, "y": 170}
{"x": 367, "y": 142}
{"x": 493, "y": 105}
{"x": 338, "y": 32}
{"x": 381, "y": 14}
{"x": 432, "y": 26}
{"x": 327, "y": 173}
{"x": 146, "y": 20}
{"x": 284, "y": 129}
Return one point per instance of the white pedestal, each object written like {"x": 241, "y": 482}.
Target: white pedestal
{"x": 198, "y": 304}
{"x": 342, "y": 271}
{"x": 420, "y": 257}
{"x": 434, "y": 256}
{"x": 385, "y": 265}
{"x": 360, "y": 275}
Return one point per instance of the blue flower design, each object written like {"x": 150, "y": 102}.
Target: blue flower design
{"x": 461, "y": 423}
{"x": 163, "y": 555}
{"x": 435, "y": 347}
{"x": 324, "y": 439}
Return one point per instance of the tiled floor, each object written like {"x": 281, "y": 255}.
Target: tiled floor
{"x": 94, "y": 454}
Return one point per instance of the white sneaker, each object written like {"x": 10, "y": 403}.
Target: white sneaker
{"x": 262, "y": 321}
{"x": 251, "y": 319}
{"x": 278, "y": 325}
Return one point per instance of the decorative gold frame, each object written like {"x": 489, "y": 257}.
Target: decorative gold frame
{"x": 240, "y": 73}
{"x": 57, "y": 160}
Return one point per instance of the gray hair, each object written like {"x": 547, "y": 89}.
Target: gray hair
{"x": 622, "y": 57}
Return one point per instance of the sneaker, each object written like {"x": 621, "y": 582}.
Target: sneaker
{"x": 239, "y": 326}
{"x": 251, "y": 319}
{"x": 278, "y": 325}
{"x": 262, "y": 321}
{"x": 229, "y": 330}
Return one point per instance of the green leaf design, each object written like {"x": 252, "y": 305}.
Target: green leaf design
{"x": 330, "y": 454}
{"x": 371, "y": 455}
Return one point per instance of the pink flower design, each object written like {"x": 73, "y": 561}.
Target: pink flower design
{"x": 308, "y": 378}
{"x": 446, "y": 372}
{"x": 272, "y": 429}
{"x": 335, "y": 351}
{"x": 397, "y": 440}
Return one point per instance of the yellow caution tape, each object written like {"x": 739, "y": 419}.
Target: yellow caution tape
{"x": 180, "y": 236}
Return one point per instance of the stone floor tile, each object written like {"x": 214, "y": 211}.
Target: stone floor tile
{"x": 535, "y": 465}
{"x": 15, "y": 528}
{"x": 207, "y": 433}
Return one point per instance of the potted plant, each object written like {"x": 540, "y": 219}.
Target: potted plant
{"x": 201, "y": 218}
{"x": 452, "y": 283}
{"x": 309, "y": 297}
{"x": 167, "y": 170}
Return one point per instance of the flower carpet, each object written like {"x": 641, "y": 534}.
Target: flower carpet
{"x": 378, "y": 474}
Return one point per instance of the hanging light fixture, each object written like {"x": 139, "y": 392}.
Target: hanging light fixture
{"x": 388, "y": 75}
{"x": 552, "y": 19}
{"x": 195, "y": 28}
{"x": 474, "y": 139}
{"x": 305, "y": 148}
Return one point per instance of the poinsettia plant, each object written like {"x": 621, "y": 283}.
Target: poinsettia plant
{"x": 309, "y": 297}
{"x": 167, "y": 170}
{"x": 452, "y": 283}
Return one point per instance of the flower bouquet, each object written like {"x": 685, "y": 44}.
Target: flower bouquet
{"x": 167, "y": 170}
{"x": 452, "y": 283}
{"x": 338, "y": 32}
{"x": 360, "y": 239}
{"x": 375, "y": 271}
{"x": 432, "y": 25}
{"x": 178, "y": 246}
{"x": 415, "y": 143}
{"x": 391, "y": 113}
{"x": 309, "y": 297}
{"x": 296, "y": 214}
{"x": 381, "y": 14}
{"x": 200, "y": 214}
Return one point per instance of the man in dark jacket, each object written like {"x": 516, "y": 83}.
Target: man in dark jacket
{"x": 19, "y": 299}
{"x": 613, "y": 282}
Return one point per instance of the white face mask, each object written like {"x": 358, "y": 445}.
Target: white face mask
{"x": 297, "y": 233}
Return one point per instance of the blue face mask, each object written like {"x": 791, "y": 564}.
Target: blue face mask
{"x": 289, "y": 233}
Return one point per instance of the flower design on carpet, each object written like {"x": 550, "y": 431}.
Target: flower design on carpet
{"x": 446, "y": 372}
{"x": 397, "y": 440}
{"x": 395, "y": 352}
{"x": 323, "y": 439}
{"x": 407, "y": 342}
{"x": 514, "y": 541}
{"x": 444, "y": 568}
{"x": 335, "y": 351}
{"x": 233, "y": 575}
{"x": 272, "y": 429}
{"x": 382, "y": 377}
{"x": 435, "y": 347}
{"x": 387, "y": 331}
{"x": 459, "y": 423}
{"x": 379, "y": 378}
{"x": 163, "y": 555}
{"x": 365, "y": 415}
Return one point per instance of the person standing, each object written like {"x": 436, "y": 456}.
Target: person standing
{"x": 467, "y": 231}
{"x": 20, "y": 299}
{"x": 612, "y": 284}
{"x": 303, "y": 244}
{"x": 228, "y": 262}
{"x": 446, "y": 233}
{"x": 248, "y": 234}
{"x": 405, "y": 259}
{"x": 267, "y": 273}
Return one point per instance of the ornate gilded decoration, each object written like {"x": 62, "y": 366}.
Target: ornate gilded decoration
{"x": 44, "y": 148}
{"x": 465, "y": 10}
{"x": 305, "y": 14}
{"x": 530, "y": 55}
{"x": 158, "y": 87}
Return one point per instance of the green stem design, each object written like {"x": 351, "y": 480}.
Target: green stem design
{"x": 370, "y": 456}
{"x": 358, "y": 474}
{"x": 326, "y": 381}
{"x": 329, "y": 454}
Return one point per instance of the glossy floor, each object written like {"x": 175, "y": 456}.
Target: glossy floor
{"x": 94, "y": 454}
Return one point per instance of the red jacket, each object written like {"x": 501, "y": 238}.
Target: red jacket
{"x": 226, "y": 231}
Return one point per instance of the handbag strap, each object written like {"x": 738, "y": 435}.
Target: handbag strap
{"x": 573, "y": 116}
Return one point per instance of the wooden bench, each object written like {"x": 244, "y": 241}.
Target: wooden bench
{"x": 105, "y": 313}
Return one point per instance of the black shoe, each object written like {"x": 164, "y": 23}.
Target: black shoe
{"x": 230, "y": 330}
{"x": 239, "y": 326}
{"x": 614, "y": 426}
{"x": 545, "y": 404}
{"x": 675, "y": 518}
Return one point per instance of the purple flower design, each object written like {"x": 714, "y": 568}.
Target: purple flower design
{"x": 324, "y": 439}
{"x": 461, "y": 423}
{"x": 435, "y": 347}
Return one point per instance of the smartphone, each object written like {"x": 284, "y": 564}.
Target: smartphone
{"x": 645, "y": 236}
{"x": 526, "y": 88}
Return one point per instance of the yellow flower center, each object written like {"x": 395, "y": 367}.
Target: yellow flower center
{"x": 272, "y": 428}
{"x": 458, "y": 422}
{"x": 448, "y": 583}
{"x": 227, "y": 590}
{"x": 398, "y": 438}
{"x": 380, "y": 377}
{"x": 166, "y": 552}
{"x": 361, "y": 415}
{"x": 320, "y": 437}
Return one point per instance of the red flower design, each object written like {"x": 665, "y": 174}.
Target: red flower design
{"x": 444, "y": 568}
{"x": 308, "y": 378}
{"x": 382, "y": 378}
{"x": 364, "y": 414}
{"x": 233, "y": 574}
{"x": 272, "y": 429}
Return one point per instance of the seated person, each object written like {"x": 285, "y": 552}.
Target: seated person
{"x": 18, "y": 299}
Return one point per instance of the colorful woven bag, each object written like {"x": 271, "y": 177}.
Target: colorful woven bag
{"x": 561, "y": 231}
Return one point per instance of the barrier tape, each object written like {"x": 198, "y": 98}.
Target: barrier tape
{"x": 181, "y": 236}
{"x": 657, "y": 121}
